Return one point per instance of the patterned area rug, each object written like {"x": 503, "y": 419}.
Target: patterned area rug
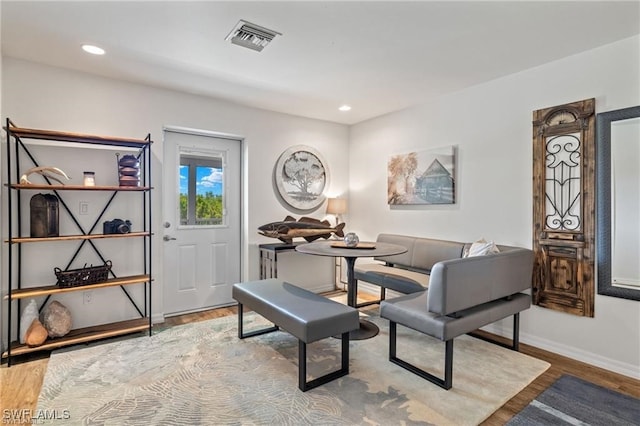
{"x": 201, "y": 373}
{"x": 573, "y": 401}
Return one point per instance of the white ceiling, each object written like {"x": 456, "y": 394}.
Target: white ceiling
{"x": 376, "y": 56}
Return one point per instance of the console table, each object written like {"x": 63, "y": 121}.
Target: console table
{"x": 269, "y": 258}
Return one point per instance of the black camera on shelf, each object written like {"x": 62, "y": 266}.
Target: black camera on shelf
{"x": 117, "y": 226}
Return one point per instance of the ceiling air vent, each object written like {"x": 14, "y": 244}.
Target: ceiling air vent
{"x": 251, "y": 36}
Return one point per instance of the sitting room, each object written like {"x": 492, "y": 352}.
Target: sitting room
{"x": 319, "y": 212}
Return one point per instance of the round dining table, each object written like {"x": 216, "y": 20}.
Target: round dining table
{"x": 336, "y": 248}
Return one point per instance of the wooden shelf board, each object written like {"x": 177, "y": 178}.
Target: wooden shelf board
{"x": 83, "y": 335}
{"x": 45, "y": 187}
{"x": 54, "y": 289}
{"x": 77, "y": 237}
{"x": 77, "y": 137}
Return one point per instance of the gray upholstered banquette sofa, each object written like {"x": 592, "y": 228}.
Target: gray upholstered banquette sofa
{"x": 449, "y": 294}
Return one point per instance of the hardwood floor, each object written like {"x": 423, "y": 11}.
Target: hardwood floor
{"x": 20, "y": 385}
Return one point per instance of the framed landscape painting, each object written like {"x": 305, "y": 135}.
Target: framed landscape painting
{"x": 422, "y": 177}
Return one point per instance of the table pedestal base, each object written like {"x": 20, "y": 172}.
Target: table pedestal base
{"x": 367, "y": 330}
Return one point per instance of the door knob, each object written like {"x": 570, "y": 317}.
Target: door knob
{"x": 166, "y": 224}
{"x": 168, "y": 238}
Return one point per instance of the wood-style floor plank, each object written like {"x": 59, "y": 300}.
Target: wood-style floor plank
{"x": 20, "y": 384}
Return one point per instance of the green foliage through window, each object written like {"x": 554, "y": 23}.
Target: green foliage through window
{"x": 208, "y": 209}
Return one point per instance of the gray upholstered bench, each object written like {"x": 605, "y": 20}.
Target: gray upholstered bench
{"x": 464, "y": 295}
{"x": 305, "y": 315}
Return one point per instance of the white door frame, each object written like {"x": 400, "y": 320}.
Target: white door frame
{"x": 244, "y": 170}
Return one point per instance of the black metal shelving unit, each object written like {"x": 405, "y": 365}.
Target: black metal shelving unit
{"x": 17, "y": 290}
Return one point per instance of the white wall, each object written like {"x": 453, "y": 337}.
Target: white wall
{"x": 490, "y": 124}
{"x": 39, "y": 96}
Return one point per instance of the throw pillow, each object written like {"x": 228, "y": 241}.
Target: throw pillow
{"x": 481, "y": 247}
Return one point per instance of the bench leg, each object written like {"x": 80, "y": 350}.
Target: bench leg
{"x": 303, "y": 385}
{"x": 445, "y": 383}
{"x": 242, "y": 335}
{"x": 383, "y": 294}
{"x": 515, "y": 342}
{"x": 516, "y": 332}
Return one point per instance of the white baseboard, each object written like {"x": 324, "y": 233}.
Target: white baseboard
{"x": 374, "y": 290}
{"x": 322, "y": 288}
{"x": 499, "y": 329}
{"x": 616, "y": 366}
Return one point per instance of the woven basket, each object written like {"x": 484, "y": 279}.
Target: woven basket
{"x": 83, "y": 276}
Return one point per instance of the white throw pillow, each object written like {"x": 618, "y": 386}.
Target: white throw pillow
{"x": 481, "y": 247}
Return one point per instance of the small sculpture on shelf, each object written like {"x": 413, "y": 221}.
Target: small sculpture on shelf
{"x": 56, "y": 318}
{"x": 128, "y": 170}
{"x": 36, "y": 334}
{"x": 46, "y": 172}
{"x": 32, "y": 332}
{"x": 29, "y": 313}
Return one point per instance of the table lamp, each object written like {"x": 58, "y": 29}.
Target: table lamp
{"x": 336, "y": 206}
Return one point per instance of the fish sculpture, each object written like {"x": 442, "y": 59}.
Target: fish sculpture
{"x": 307, "y": 227}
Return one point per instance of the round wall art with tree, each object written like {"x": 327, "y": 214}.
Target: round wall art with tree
{"x": 301, "y": 177}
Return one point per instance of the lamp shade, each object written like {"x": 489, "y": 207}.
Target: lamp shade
{"x": 336, "y": 206}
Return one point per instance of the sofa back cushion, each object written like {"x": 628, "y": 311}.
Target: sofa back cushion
{"x": 459, "y": 284}
{"x": 402, "y": 259}
{"x": 422, "y": 253}
{"x": 427, "y": 252}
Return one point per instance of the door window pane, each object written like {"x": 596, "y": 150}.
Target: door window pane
{"x": 208, "y": 195}
{"x": 201, "y": 190}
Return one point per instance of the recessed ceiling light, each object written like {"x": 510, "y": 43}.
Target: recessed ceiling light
{"x": 345, "y": 108}
{"x": 94, "y": 50}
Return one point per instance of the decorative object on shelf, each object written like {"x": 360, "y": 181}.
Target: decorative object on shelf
{"x": 306, "y": 227}
{"x": 83, "y": 276}
{"x": 301, "y": 176}
{"x": 36, "y": 334}
{"x": 46, "y": 172}
{"x": 45, "y": 219}
{"x": 351, "y": 239}
{"x": 29, "y": 313}
{"x": 89, "y": 179}
{"x": 128, "y": 170}
{"x": 116, "y": 226}
{"x": 422, "y": 177}
{"x": 56, "y": 318}
{"x": 336, "y": 207}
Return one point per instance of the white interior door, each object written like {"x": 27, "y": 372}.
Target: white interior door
{"x": 202, "y": 219}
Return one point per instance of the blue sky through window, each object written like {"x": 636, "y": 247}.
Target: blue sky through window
{"x": 208, "y": 179}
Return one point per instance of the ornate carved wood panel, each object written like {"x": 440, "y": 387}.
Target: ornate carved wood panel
{"x": 563, "y": 207}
